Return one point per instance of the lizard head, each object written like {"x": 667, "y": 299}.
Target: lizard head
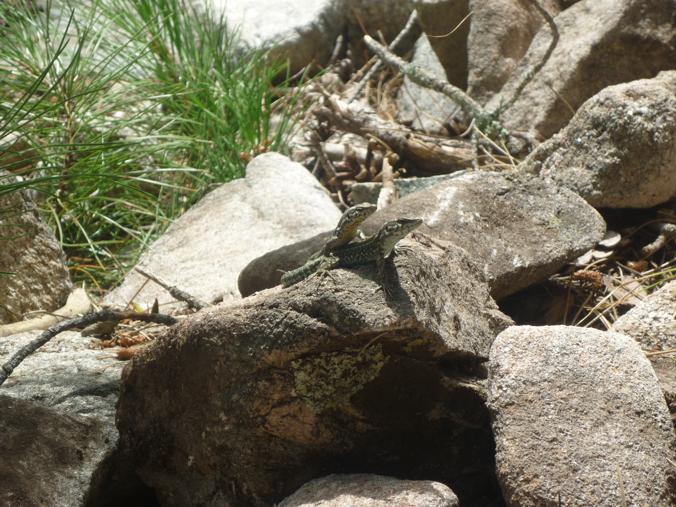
{"x": 393, "y": 231}
{"x": 358, "y": 212}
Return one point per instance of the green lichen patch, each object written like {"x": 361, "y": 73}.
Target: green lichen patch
{"x": 328, "y": 380}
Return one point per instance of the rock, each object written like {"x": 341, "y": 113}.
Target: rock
{"x": 578, "y": 419}
{"x": 423, "y": 108}
{"x": 48, "y": 458}
{"x": 305, "y": 32}
{"x": 499, "y": 35}
{"x": 602, "y": 43}
{"x": 33, "y": 273}
{"x": 619, "y": 150}
{"x": 438, "y": 18}
{"x": 242, "y": 404}
{"x": 277, "y": 202}
{"x": 66, "y": 374}
{"x": 369, "y": 191}
{"x": 653, "y": 325}
{"x": 365, "y": 490}
{"x": 518, "y": 229}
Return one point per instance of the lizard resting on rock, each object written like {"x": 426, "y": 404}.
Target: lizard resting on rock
{"x": 377, "y": 248}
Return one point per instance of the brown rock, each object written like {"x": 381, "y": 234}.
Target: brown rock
{"x": 33, "y": 274}
{"x": 602, "y": 42}
{"x": 619, "y": 150}
{"x": 245, "y": 403}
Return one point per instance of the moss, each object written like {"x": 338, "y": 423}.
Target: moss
{"x": 330, "y": 379}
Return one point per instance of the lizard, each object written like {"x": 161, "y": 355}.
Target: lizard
{"x": 377, "y": 248}
{"x": 346, "y": 230}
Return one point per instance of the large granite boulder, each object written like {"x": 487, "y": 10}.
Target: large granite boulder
{"x": 519, "y": 229}
{"x": 602, "y": 43}
{"x": 579, "y": 419}
{"x": 619, "y": 150}
{"x": 204, "y": 250}
{"x": 243, "y": 403}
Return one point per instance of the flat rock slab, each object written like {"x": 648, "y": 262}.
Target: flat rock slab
{"x": 33, "y": 273}
{"x": 245, "y": 403}
{"x": 48, "y": 458}
{"x": 653, "y": 325}
{"x": 619, "y": 150}
{"x": 367, "y": 490}
{"x": 277, "y": 202}
{"x": 602, "y": 43}
{"x": 579, "y": 419}
{"x": 518, "y": 228}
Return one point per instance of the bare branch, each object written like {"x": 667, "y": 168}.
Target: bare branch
{"x": 175, "y": 292}
{"x": 90, "y": 318}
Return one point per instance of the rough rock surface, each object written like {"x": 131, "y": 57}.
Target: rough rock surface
{"x": 368, "y": 191}
{"x": 48, "y": 458}
{"x": 66, "y": 374}
{"x": 602, "y": 42}
{"x": 366, "y": 490}
{"x": 305, "y": 32}
{"x": 653, "y": 325}
{"x": 423, "y": 108}
{"x": 619, "y": 150}
{"x": 518, "y": 229}
{"x": 206, "y": 248}
{"x": 438, "y": 18}
{"x": 499, "y": 35}
{"x": 33, "y": 274}
{"x": 578, "y": 419}
{"x": 245, "y": 403}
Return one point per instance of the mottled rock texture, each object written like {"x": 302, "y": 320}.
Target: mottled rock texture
{"x": 33, "y": 273}
{"x": 366, "y": 490}
{"x": 247, "y": 402}
{"x": 579, "y": 419}
{"x": 619, "y": 150}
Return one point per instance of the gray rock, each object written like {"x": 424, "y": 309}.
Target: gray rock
{"x": 438, "y": 18}
{"x": 366, "y": 490}
{"x": 277, "y": 202}
{"x": 517, "y": 228}
{"x": 305, "y": 32}
{"x": 245, "y": 403}
{"x": 423, "y": 108}
{"x": 602, "y": 42}
{"x": 499, "y": 35}
{"x": 369, "y": 191}
{"x": 653, "y": 325}
{"x": 48, "y": 458}
{"x": 578, "y": 419}
{"x": 67, "y": 374}
{"x": 619, "y": 150}
{"x": 33, "y": 273}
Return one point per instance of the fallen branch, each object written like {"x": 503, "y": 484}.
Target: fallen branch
{"x": 175, "y": 292}
{"x": 410, "y": 23}
{"x": 86, "y": 320}
{"x": 431, "y": 154}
